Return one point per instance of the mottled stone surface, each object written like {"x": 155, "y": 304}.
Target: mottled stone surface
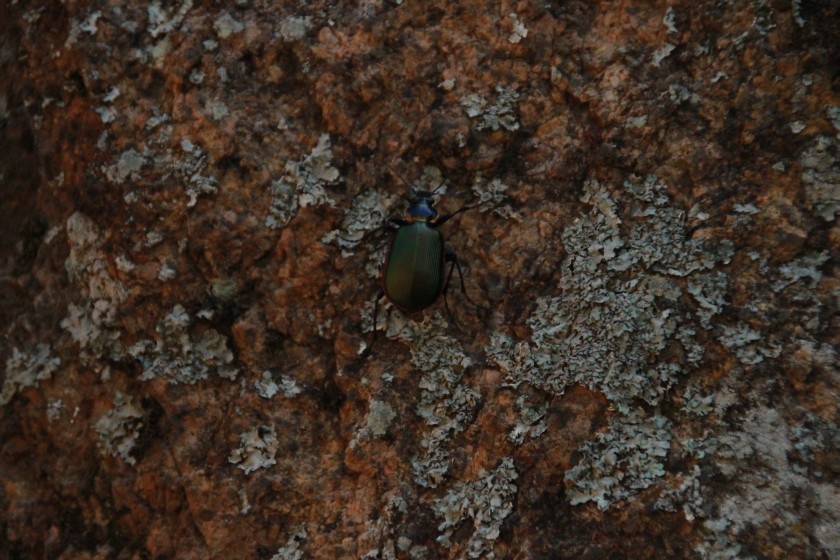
{"x": 190, "y": 238}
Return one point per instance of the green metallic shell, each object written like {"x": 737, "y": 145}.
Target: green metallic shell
{"x": 413, "y": 276}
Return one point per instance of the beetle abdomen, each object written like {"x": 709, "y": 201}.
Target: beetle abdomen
{"x": 414, "y": 269}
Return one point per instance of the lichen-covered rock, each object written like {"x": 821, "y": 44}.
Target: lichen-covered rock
{"x": 195, "y": 208}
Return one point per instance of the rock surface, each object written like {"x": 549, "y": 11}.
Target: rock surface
{"x": 190, "y": 238}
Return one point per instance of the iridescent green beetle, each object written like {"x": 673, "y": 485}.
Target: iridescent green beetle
{"x": 414, "y": 275}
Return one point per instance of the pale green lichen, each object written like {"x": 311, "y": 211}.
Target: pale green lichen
{"x": 162, "y": 22}
{"x": 226, "y": 25}
{"x": 519, "y": 30}
{"x": 27, "y": 369}
{"x": 189, "y": 169}
{"x": 767, "y": 489}
{"x": 93, "y": 322}
{"x": 257, "y": 448}
{"x": 181, "y": 357}
{"x": 749, "y": 346}
{"x": 291, "y": 550}
{"x": 685, "y": 494}
{"x": 530, "y": 422}
{"x": 804, "y": 270}
{"x": 294, "y": 28}
{"x": 447, "y": 405}
{"x": 217, "y": 109}
{"x": 302, "y": 184}
{"x": 821, "y": 174}
{"x": 367, "y": 213}
{"x": 500, "y": 114}
{"x": 77, "y": 27}
{"x": 487, "y": 501}
{"x": 127, "y": 167}
{"x": 491, "y": 196}
{"x": 267, "y": 387}
{"x": 378, "y": 421}
{"x": 622, "y": 323}
{"x": 618, "y": 463}
{"x": 119, "y": 428}
{"x": 614, "y": 325}
{"x": 710, "y": 291}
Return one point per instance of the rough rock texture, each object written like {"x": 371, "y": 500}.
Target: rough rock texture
{"x": 193, "y": 196}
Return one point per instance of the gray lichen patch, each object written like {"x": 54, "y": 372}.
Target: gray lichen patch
{"x": 487, "y": 502}
{"x": 163, "y": 21}
{"x": 446, "y": 404}
{"x": 821, "y": 174}
{"x": 627, "y": 458}
{"x": 501, "y": 113}
{"x": 618, "y": 309}
{"x": 491, "y": 196}
{"x": 803, "y": 270}
{"x": 119, "y": 428}
{"x": 189, "y": 169}
{"x": 126, "y": 167}
{"x": 226, "y": 25}
{"x": 613, "y": 327}
{"x": 621, "y": 279}
{"x": 267, "y": 387}
{"x": 291, "y": 550}
{"x": 767, "y": 491}
{"x": 294, "y": 28}
{"x": 710, "y": 291}
{"x": 366, "y": 213}
{"x": 26, "y": 369}
{"x": 748, "y": 345}
{"x": 166, "y": 158}
{"x": 180, "y": 356}
{"x": 93, "y": 321}
{"x": 379, "y": 418}
{"x": 531, "y": 421}
{"x": 257, "y": 448}
{"x": 303, "y": 184}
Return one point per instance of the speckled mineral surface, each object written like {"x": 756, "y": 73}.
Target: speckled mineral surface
{"x": 194, "y": 207}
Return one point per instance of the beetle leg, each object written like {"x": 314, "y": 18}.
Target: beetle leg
{"x": 449, "y": 256}
{"x": 367, "y": 350}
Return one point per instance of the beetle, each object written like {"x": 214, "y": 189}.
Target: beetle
{"x": 414, "y": 275}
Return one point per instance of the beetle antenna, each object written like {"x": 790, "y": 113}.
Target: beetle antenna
{"x": 403, "y": 179}
{"x": 442, "y": 183}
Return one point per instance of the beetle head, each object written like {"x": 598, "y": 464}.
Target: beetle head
{"x": 421, "y": 207}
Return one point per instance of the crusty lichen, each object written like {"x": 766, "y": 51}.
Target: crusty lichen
{"x": 181, "y": 357}
{"x": 378, "y": 421}
{"x": 446, "y": 404}
{"x": 821, "y": 175}
{"x": 119, "y": 428}
{"x": 267, "y": 387}
{"x": 613, "y": 326}
{"x": 620, "y": 462}
{"x": 26, "y": 369}
{"x": 766, "y": 490}
{"x": 486, "y": 501}
{"x": 93, "y": 322}
{"x": 291, "y": 550}
{"x": 493, "y": 116}
{"x": 303, "y": 184}
{"x": 257, "y": 448}
{"x": 367, "y": 212}
{"x": 621, "y": 323}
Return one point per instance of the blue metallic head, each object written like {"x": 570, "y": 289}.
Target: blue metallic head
{"x": 421, "y": 208}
